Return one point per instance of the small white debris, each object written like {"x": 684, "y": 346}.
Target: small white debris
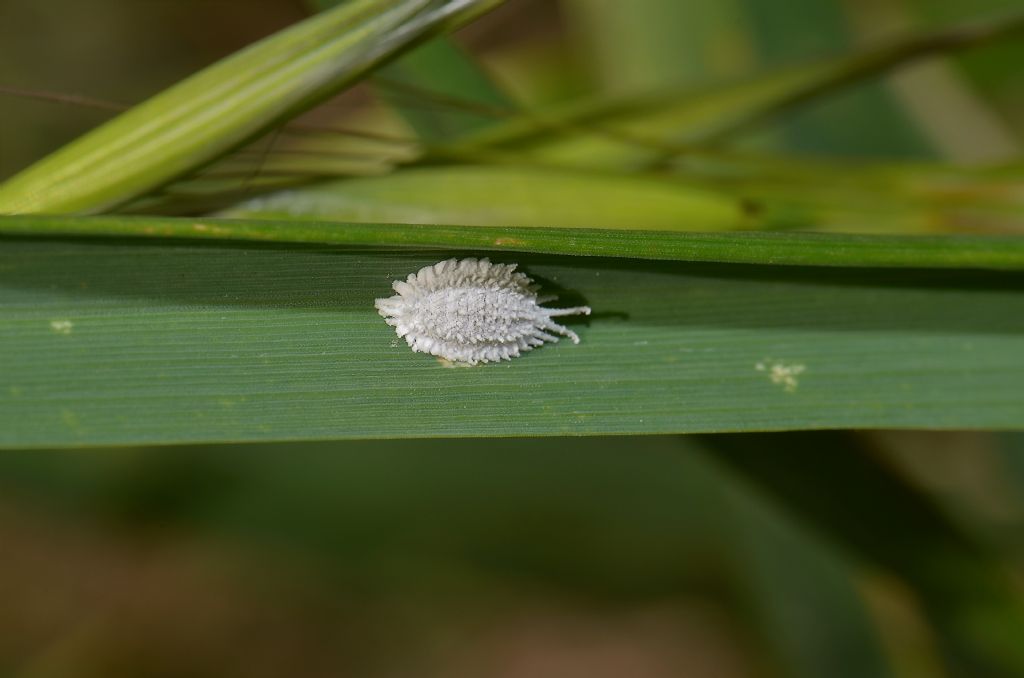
{"x": 782, "y": 374}
{"x": 472, "y": 311}
{"x": 62, "y": 326}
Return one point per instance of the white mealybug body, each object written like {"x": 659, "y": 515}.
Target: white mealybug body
{"x": 473, "y": 311}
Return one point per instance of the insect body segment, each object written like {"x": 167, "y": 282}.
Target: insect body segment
{"x": 473, "y": 311}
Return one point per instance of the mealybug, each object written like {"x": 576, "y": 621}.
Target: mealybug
{"x": 473, "y": 311}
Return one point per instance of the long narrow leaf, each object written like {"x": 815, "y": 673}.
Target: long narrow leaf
{"x": 975, "y": 608}
{"x": 498, "y": 195}
{"x": 804, "y": 249}
{"x": 710, "y": 193}
{"x": 443, "y": 69}
{"x": 133, "y": 342}
{"x": 647, "y": 129}
{"x": 227, "y": 104}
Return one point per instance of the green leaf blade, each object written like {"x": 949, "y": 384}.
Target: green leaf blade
{"x": 646, "y": 130}
{"x": 442, "y": 68}
{"x": 792, "y": 249}
{"x": 502, "y": 195}
{"x": 227, "y": 104}
{"x": 104, "y": 343}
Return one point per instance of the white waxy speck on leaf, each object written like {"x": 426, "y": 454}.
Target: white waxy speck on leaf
{"x": 473, "y": 311}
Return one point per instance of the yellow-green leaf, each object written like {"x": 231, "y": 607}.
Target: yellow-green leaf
{"x": 219, "y": 108}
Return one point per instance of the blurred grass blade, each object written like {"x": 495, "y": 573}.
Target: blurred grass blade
{"x": 134, "y": 342}
{"x": 710, "y": 192}
{"x": 649, "y": 129}
{"x": 443, "y": 69}
{"x": 964, "y": 590}
{"x": 803, "y": 588}
{"x": 499, "y": 195}
{"x": 227, "y": 104}
{"x": 801, "y": 249}
{"x": 793, "y": 192}
{"x": 650, "y": 45}
{"x": 866, "y": 120}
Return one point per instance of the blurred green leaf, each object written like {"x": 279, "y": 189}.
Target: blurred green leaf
{"x": 421, "y": 83}
{"x": 838, "y": 487}
{"x": 648, "y": 129}
{"x": 500, "y": 195}
{"x": 862, "y": 119}
{"x": 664, "y": 523}
{"x": 802, "y": 587}
{"x": 228, "y": 104}
{"x": 440, "y": 68}
{"x": 863, "y": 197}
{"x": 651, "y": 45}
{"x": 990, "y": 76}
{"x": 708, "y": 192}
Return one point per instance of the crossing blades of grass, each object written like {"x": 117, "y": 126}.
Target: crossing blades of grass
{"x": 647, "y": 129}
{"x": 225, "y": 105}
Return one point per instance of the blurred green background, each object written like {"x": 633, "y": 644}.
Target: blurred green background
{"x": 813, "y": 554}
